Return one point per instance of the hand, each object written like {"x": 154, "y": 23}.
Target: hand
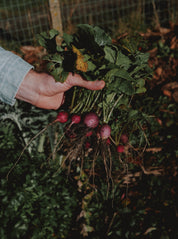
{"x": 41, "y": 89}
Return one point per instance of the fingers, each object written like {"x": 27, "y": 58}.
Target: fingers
{"x": 50, "y": 102}
{"x": 77, "y": 80}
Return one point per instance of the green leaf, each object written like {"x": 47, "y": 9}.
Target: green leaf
{"x": 59, "y": 48}
{"x": 123, "y": 60}
{"x": 110, "y": 54}
{"x": 63, "y": 76}
{"x": 133, "y": 114}
{"x": 53, "y": 33}
{"x": 121, "y": 86}
{"x": 141, "y": 58}
{"x": 126, "y": 87}
{"x": 137, "y": 70}
{"x": 56, "y": 58}
{"x": 140, "y": 83}
{"x": 68, "y": 39}
{"x": 121, "y": 73}
{"x": 50, "y": 66}
{"x": 140, "y": 90}
{"x": 91, "y": 38}
{"x": 41, "y": 144}
{"x": 55, "y": 72}
{"x": 140, "y": 86}
{"x": 101, "y": 37}
{"x": 91, "y": 66}
{"x": 109, "y": 97}
{"x": 42, "y": 41}
{"x": 48, "y": 40}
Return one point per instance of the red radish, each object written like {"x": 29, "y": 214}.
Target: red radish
{"x": 91, "y": 120}
{"x": 87, "y": 145}
{"x": 159, "y": 121}
{"x": 69, "y": 133}
{"x": 76, "y": 119}
{"x": 105, "y": 131}
{"x": 139, "y": 48}
{"x": 89, "y": 133}
{"x": 124, "y": 138}
{"x": 108, "y": 141}
{"x": 62, "y": 117}
{"x": 123, "y": 196}
{"x": 120, "y": 148}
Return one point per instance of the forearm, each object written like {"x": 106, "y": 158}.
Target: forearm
{"x": 13, "y": 70}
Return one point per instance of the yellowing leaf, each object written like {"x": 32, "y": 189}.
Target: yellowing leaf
{"x": 126, "y": 202}
{"x": 76, "y": 51}
{"x": 81, "y": 65}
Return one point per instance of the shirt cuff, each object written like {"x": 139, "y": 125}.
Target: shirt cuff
{"x": 12, "y": 76}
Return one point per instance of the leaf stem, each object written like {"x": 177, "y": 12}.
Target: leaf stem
{"x": 96, "y": 98}
{"x": 111, "y": 111}
{"x": 73, "y": 97}
{"x": 87, "y": 102}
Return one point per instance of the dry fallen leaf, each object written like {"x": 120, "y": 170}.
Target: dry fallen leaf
{"x": 174, "y": 43}
{"x": 154, "y": 150}
{"x": 150, "y": 229}
{"x": 167, "y": 93}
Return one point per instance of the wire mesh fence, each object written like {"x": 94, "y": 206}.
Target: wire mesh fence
{"x": 21, "y": 20}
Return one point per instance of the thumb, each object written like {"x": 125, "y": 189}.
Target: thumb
{"x": 77, "y": 80}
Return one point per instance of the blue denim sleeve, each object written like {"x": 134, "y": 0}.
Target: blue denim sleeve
{"x": 12, "y": 72}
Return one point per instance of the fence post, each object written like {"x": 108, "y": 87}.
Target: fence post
{"x": 56, "y": 18}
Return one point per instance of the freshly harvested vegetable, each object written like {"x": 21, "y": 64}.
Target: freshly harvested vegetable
{"x": 105, "y": 131}
{"x": 89, "y": 133}
{"x": 87, "y": 145}
{"x": 124, "y": 138}
{"x": 120, "y": 148}
{"x": 62, "y": 117}
{"x": 108, "y": 141}
{"x": 91, "y": 120}
{"x": 76, "y": 119}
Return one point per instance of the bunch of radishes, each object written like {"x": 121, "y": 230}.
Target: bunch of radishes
{"x": 90, "y": 120}
{"x": 92, "y": 123}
